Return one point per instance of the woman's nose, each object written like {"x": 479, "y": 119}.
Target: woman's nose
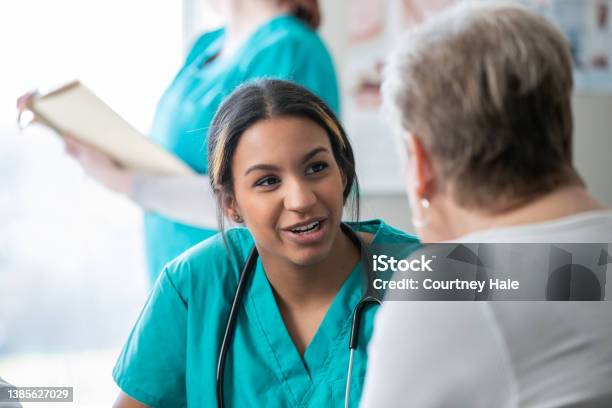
{"x": 299, "y": 196}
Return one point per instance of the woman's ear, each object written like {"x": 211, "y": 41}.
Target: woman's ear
{"x": 230, "y": 208}
{"x": 419, "y": 166}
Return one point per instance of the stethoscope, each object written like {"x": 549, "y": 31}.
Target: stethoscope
{"x": 369, "y": 297}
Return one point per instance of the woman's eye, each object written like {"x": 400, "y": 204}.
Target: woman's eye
{"x": 316, "y": 167}
{"x": 267, "y": 181}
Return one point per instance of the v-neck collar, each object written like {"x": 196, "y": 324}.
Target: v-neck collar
{"x": 302, "y": 376}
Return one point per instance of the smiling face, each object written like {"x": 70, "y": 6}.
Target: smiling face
{"x": 288, "y": 188}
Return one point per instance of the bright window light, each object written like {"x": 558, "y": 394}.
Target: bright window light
{"x": 72, "y": 276}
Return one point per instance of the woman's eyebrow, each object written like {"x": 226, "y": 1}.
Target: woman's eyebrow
{"x": 270, "y": 167}
{"x": 313, "y": 153}
{"x": 265, "y": 167}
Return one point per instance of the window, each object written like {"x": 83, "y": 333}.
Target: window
{"x": 72, "y": 276}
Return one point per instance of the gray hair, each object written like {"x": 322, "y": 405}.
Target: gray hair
{"x": 486, "y": 86}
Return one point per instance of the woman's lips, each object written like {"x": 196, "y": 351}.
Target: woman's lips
{"x": 310, "y": 237}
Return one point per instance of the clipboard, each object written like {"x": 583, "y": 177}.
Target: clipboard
{"x": 76, "y": 110}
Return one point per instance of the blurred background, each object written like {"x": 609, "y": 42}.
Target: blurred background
{"x": 72, "y": 274}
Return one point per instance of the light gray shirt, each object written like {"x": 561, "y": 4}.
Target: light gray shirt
{"x": 497, "y": 354}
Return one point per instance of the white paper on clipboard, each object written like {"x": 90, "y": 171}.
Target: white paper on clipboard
{"x": 76, "y": 110}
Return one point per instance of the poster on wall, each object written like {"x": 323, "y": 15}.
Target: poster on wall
{"x": 588, "y": 28}
{"x": 376, "y": 25}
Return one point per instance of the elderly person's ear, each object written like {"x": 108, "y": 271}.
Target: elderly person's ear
{"x": 421, "y": 172}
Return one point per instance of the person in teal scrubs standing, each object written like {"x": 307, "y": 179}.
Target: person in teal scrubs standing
{"x": 281, "y": 165}
{"x": 262, "y": 39}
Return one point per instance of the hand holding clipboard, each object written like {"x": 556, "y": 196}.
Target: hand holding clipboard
{"x": 86, "y": 122}
{"x": 130, "y": 164}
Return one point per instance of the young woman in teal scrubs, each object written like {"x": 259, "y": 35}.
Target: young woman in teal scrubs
{"x": 262, "y": 39}
{"x": 281, "y": 164}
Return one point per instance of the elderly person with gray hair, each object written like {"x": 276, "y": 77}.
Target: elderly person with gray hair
{"x": 482, "y": 94}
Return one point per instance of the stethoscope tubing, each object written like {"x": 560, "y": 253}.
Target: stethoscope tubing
{"x": 231, "y": 322}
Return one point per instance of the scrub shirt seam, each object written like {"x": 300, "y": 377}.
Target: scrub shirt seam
{"x": 179, "y": 294}
{"x": 280, "y": 367}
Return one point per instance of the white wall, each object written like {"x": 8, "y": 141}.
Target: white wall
{"x": 593, "y": 143}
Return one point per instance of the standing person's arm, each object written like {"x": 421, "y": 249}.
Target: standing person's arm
{"x": 187, "y": 199}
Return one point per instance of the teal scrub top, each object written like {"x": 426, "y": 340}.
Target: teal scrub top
{"x": 170, "y": 357}
{"x": 283, "y": 48}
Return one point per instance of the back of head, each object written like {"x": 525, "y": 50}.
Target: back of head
{"x": 487, "y": 89}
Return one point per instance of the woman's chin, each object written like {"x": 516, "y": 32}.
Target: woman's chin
{"x": 308, "y": 257}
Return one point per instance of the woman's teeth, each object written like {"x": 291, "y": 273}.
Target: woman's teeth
{"x": 306, "y": 228}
